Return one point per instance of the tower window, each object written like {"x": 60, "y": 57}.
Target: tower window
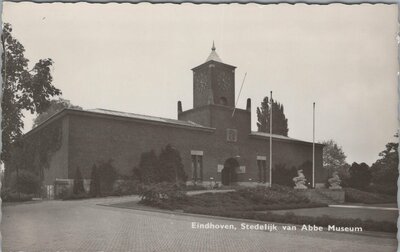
{"x": 223, "y": 101}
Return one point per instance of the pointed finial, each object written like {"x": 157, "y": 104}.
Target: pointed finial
{"x": 213, "y": 47}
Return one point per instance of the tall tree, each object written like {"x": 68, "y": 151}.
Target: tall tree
{"x": 24, "y": 89}
{"x": 279, "y": 121}
{"x": 334, "y": 159}
{"x": 385, "y": 170}
{"x": 170, "y": 166}
{"x": 54, "y": 107}
{"x": 78, "y": 182}
{"x": 147, "y": 171}
{"x": 360, "y": 176}
{"x": 94, "y": 182}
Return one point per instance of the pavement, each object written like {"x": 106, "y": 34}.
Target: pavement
{"x": 84, "y": 225}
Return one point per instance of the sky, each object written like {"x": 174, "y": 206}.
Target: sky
{"x": 137, "y": 58}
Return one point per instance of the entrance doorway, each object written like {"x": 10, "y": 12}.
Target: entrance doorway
{"x": 228, "y": 174}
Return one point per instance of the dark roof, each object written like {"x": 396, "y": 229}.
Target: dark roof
{"x": 279, "y": 137}
{"x": 126, "y": 115}
{"x": 147, "y": 118}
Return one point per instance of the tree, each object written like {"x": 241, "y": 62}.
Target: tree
{"x": 78, "y": 182}
{"x": 385, "y": 170}
{"x": 360, "y": 176}
{"x": 146, "y": 172}
{"x": 23, "y": 89}
{"x": 94, "y": 182}
{"x": 283, "y": 176}
{"x": 170, "y": 166}
{"x": 334, "y": 158}
{"x": 107, "y": 176}
{"x": 279, "y": 121}
{"x": 54, "y": 107}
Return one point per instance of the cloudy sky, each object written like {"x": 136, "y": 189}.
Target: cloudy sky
{"x": 137, "y": 58}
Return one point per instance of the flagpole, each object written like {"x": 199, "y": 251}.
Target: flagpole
{"x": 270, "y": 142}
{"x": 313, "y": 148}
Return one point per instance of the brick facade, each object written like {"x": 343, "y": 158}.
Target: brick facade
{"x": 210, "y": 129}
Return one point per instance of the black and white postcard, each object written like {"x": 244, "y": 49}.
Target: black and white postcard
{"x": 199, "y": 127}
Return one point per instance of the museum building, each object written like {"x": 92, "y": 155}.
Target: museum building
{"x": 214, "y": 138}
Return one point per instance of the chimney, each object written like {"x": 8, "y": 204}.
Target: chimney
{"x": 179, "y": 107}
{"x": 248, "y": 105}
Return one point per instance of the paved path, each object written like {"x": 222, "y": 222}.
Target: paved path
{"x": 85, "y": 226}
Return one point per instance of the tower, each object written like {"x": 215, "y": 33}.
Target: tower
{"x": 213, "y": 82}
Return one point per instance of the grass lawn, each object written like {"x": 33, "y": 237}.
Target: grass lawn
{"x": 356, "y": 196}
{"x": 261, "y": 203}
{"x": 354, "y": 213}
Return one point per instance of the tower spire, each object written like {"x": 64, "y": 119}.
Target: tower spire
{"x": 213, "y": 55}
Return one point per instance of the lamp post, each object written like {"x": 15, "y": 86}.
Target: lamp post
{"x": 270, "y": 141}
{"x": 313, "y": 149}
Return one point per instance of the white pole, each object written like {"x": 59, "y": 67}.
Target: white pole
{"x": 270, "y": 142}
{"x": 313, "y": 148}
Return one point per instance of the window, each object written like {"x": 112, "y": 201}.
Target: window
{"x": 197, "y": 165}
{"x": 262, "y": 168}
{"x": 231, "y": 135}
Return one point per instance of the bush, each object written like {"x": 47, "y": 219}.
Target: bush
{"x": 357, "y": 196}
{"x": 127, "y": 187}
{"x": 360, "y": 176}
{"x": 387, "y": 189}
{"x": 26, "y": 182}
{"x": 11, "y": 196}
{"x": 194, "y": 188}
{"x": 276, "y": 194}
{"x": 163, "y": 195}
{"x": 283, "y": 176}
